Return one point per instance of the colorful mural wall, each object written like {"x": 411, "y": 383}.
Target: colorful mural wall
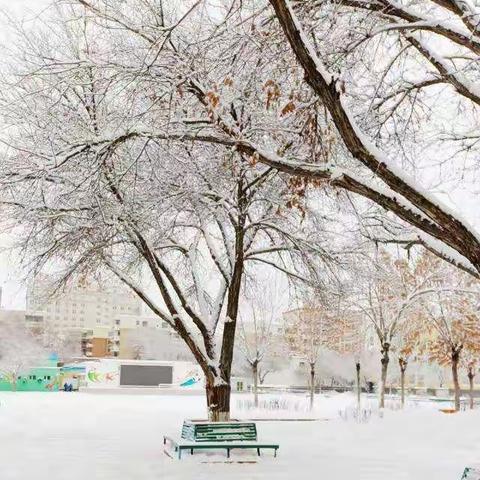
{"x": 105, "y": 373}
{"x": 47, "y": 378}
{"x": 101, "y": 373}
{"x": 39, "y": 379}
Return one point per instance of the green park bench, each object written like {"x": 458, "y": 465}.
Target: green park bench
{"x": 199, "y": 435}
{"x": 471, "y": 474}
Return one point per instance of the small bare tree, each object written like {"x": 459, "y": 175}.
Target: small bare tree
{"x": 470, "y": 361}
{"x": 388, "y": 295}
{"x": 306, "y": 335}
{"x": 20, "y": 350}
{"x": 454, "y": 328}
{"x": 407, "y": 346}
{"x": 66, "y": 345}
{"x": 345, "y": 335}
{"x": 257, "y": 335}
{"x": 447, "y": 319}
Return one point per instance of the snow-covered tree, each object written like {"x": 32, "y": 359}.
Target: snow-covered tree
{"x": 362, "y": 79}
{"x": 155, "y": 344}
{"x": 408, "y": 346}
{"x": 345, "y": 335}
{"x": 257, "y": 334}
{"x": 376, "y": 67}
{"x": 20, "y": 350}
{"x": 453, "y": 328}
{"x": 470, "y": 361}
{"x": 306, "y": 335}
{"x": 190, "y": 219}
{"x": 66, "y": 345}
{"x": 388, "y": 295}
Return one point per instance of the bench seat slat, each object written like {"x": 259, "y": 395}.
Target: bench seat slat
{"x": 195, "y": 445}
{"x": 180, "y": 445}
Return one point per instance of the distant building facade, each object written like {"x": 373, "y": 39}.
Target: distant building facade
{"x": 80, "y": 307}
{"x": 109, "y": 322}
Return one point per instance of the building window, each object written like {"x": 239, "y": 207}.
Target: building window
{"x": 117, "y": 322}
{"x": 144, "y": 323}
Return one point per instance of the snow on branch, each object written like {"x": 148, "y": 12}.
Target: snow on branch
{"x": 450, "y": 228}
{"x": 448, "y": 72}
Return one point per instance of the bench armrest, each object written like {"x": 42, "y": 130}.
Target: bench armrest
{"x": 172, "y": 441}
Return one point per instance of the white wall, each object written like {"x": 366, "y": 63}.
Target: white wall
{"x": 105, "y": 373}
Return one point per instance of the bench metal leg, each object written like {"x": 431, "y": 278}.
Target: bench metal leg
{"x": 258, "y": 451}
{"x": 179, "y": 453}
{"x": 275, "y": 454}
{"x": 191, "y": 451}
{"x": 228, "y": 453}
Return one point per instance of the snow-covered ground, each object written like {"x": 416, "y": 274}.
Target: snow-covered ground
{"x": 119, "y": 437}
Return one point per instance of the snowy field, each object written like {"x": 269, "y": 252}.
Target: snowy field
{"x": 119, "y": 437}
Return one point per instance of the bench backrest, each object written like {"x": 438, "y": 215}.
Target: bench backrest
{"x": 219, "y": 432}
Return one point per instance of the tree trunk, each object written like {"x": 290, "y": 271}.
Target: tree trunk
{"x": 383, "y": 378}
{"x": 233, "y": 297}
{"x": 255, "y": 382}
{"x": 471, "y": 375}
{"x": 456, "y": 384}
{"x": 312, "y": 384}
{"x": 218, "y": 402}
{"x": 359, "y": 389}
{"x": 403, "y": 367}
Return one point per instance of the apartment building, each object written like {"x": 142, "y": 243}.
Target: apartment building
{"x": 81, "y": 306}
